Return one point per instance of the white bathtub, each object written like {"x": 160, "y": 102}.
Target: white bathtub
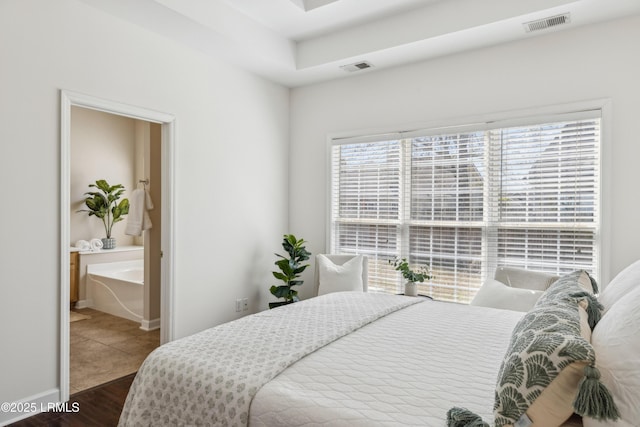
{"x": 118, "y": 288}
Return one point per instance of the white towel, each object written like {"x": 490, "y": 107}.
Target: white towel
{"x": 138, "y": 218}
{"x": 96, "y": 244}
{"x": 83, "y": 245}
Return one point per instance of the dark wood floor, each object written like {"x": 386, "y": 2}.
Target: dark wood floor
{"x": 99, "y": 406}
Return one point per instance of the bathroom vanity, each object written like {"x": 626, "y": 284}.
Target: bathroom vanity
{"x": 74, "y": 276}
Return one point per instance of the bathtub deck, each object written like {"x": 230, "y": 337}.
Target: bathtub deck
{"x": 111, "y": 291}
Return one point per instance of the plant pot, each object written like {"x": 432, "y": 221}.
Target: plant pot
{"x": 411, "y": 289}
{"x": 279, "y": 303}
{"x": 108, "y": 243}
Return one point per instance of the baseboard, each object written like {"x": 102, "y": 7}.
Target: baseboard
{"x": 84, "y": 303}
{"x": 25, "y": 408}
{"x": 150, "y": 325}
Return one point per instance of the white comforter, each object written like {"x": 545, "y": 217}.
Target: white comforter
{"x": 407, "y": 368}
{"x": 210, "y": 378}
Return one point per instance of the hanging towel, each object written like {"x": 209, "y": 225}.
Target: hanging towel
{"x": 138, "y": 218}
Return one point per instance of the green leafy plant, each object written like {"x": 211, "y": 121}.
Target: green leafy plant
{"x": 290, "y": 268}
{"x": 419, "y": 275}
{"x": 103, "y": 204}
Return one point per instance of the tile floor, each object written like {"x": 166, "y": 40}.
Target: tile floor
{"x": 106, "y": 347}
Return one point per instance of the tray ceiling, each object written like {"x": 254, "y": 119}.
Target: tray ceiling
{"x": 299, "y": 42}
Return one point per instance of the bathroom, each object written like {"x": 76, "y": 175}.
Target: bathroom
{"x": 115, "y": 293}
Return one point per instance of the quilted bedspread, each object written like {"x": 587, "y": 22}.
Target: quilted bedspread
{"x": 407, "y": 368}
{"x": 210, "y": 378}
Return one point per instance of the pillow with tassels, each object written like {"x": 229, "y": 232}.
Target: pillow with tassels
{"x": 549, "y": 371}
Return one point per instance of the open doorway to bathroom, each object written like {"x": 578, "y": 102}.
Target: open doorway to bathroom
{"x": 114, "y": 293}
{"x": 137, "y": 327}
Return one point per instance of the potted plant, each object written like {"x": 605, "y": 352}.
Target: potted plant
{"x": 103, "y": 203}
{"x": 290, "y": 269}
{"x": 419, "y": 275}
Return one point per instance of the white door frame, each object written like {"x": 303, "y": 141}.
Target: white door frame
{"x": 69, "y": 99}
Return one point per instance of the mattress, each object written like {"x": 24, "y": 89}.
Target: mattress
{"x": 407, "y": 368}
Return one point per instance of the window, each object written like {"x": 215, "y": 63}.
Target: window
{"x": 469, "y": 200}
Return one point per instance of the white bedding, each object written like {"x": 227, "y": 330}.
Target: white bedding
{"x": 210, "y": 378}
{"x": 407, "y": 368}
{"x": 343, "y": 359}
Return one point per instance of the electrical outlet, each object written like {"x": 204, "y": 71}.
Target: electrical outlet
{"x": 245, "y": 304}
{"x": 238, "y": 305}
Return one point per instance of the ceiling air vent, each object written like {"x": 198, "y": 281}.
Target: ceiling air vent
{"x": 552, "y": 21}
{"x": 362, "y": 65}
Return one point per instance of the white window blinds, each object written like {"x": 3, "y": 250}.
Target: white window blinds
{"x": 367, "y": 180}
{"x": 466, "y": 202}
{"x": 548, "y": 197}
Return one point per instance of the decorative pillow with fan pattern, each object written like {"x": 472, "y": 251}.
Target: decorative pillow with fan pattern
{"x": 549, "y": 371}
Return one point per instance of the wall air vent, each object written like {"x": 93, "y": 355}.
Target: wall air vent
{"x": 552, "y": 21}
{"x": 357, "y": 66}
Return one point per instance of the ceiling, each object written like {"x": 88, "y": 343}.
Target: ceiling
{"x": 299, "y": 42}
{"x": 298, "y": 24}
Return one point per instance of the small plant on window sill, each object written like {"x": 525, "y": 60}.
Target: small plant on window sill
{"x": 418, "y": 275}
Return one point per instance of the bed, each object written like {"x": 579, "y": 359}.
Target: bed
{"x": 341, "y": 359}
{"x": 400, "y": 370}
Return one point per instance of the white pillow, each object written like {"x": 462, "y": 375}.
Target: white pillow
{"x": 498, "y": 295}
{"x": 616, "y": 340}
{"x": 627, "y": 280}
{"x": 339, "y": 278}
{"x": 516, "y": 277}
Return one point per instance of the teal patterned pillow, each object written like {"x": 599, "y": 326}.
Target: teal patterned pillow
{"x": 548, "y": 356}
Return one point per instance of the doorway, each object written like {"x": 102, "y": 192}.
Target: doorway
{"x": 162, "y": 125}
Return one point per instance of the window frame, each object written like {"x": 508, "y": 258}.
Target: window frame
{"x": 557, "y": 113}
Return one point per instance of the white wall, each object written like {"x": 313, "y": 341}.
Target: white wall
{"x": 230, "y": 184}
{"x": 564, "y": 67}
